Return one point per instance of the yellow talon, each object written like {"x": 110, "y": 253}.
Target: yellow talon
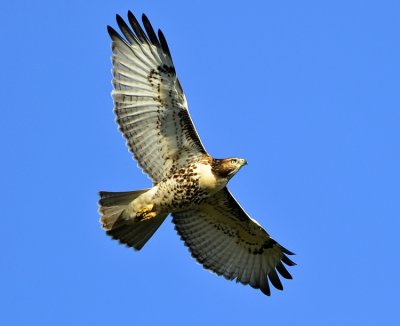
{"x": 145, "y": 213}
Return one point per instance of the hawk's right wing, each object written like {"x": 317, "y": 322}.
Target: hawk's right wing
{"x": 150, "y": 105}
{"x": 225, "y": 240}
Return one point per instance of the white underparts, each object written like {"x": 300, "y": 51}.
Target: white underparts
{"x": 208, "y": 181}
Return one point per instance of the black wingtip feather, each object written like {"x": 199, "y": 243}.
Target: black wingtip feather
{"x": 287, "y": 261}
{"x": 163, "y": 43}
{"x": 137, "y": 28}
{"x": 283, "y": 271}
{"x": 274, "y": 278}
{"x": 119, "y": 19}
{"x": 112, "y": 32}
{"x": 126, "y": 30}
{"x": 139, "y": 35}
{"x": 264, "y": 287}
{"x": 150, "y": 31}
{"x": 115, "y": 36}
{"x": 286, "y": 251}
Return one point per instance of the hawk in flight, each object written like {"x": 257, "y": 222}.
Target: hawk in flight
{"x": 152, "y": 114}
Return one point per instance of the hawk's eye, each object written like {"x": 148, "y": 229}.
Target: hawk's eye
{"x": 233, "y": 161}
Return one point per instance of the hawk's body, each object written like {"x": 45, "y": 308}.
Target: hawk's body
{"x": 152, "y": 114}
{"x": 182, "y": 188}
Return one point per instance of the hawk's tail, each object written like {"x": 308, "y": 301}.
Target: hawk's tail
{"x": 132, "y": 233}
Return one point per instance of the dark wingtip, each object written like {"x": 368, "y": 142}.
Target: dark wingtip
{"x": 163, "y": 43}
{"x": 286, "y": 251}
{"x": 283, "y": 271}
{"x": 130, "y": 14}
{"x": 264, "y": 287}
{"x": 150, "y": 31}
{"x": 112, "y": 32}
{"x": 141, "y": 35}
{"x": 274, "y": 278}
{"x": 287, "y": 261}
{"x": 120, "y": 20}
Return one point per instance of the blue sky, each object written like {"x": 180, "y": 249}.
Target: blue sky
{"x": 306, "y": 91}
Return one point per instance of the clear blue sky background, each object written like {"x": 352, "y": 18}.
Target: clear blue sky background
{"x": 306, "y": 91}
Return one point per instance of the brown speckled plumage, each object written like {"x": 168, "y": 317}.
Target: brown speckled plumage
{"x": 152, "y": 114}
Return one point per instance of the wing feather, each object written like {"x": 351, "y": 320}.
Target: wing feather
{"x": 229, "y": 268}
{"x": 137, "y": 28}
{"x": 245, "y": 272}
{"x": 222, "y": 237}
{"x": 164, "y": 44}
{"x": 150, "y": 32}
{"x": 149, "y": 103}
{"x": 131, "y": 38}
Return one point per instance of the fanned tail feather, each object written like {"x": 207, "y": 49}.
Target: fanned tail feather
{"x": 122, "y": 227}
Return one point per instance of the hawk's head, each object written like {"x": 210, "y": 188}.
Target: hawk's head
{"x": 227, "y": 167}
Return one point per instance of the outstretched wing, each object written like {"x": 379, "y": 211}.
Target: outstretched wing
{"x": 149, "y": 103}
{"x": 225, "y": 240}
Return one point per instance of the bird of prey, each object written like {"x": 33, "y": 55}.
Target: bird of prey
{"x": 152, "y": 114}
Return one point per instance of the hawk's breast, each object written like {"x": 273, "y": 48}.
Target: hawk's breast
{"x": 207, "y": 179}
{"x": 188, "y": 186}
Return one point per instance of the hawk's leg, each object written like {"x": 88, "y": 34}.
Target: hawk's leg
{"x": 145, "y": 213}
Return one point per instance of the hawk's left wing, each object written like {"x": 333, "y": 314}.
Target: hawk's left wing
{"x": 225, "y": 240}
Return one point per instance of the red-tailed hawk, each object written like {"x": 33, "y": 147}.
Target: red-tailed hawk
{"x": 152, "y": 114}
